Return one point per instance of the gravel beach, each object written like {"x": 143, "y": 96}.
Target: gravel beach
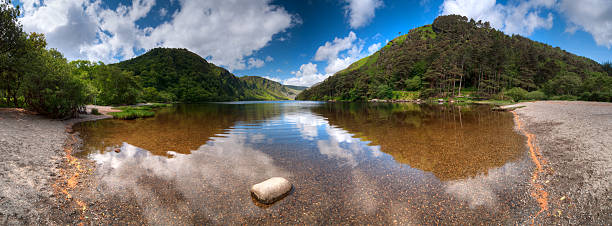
{"x": 33, "y": 162}
{"x": 575, "y": 141}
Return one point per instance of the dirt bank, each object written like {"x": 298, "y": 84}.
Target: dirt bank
{"x": 575, "y": 142}
{"x": 33, "y": 167}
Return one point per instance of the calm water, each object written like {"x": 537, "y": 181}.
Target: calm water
{"x": 348, "y": 162}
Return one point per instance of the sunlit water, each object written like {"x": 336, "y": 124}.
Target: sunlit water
{"x": 357, "y": 162}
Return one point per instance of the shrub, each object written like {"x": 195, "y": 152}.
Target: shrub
{"x": 535, "y": 95}
{"x": 49, "y": 87}
{"x": 384, "y": 92}
{"x": 516, "y": 93}
{"x": 94, "y": 111}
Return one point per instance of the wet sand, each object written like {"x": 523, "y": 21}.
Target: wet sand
{"x": 575, "y": 143}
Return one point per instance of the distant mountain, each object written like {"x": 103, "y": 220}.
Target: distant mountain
{"x": 297, "y": 87}
{"x": 264, "y": 89}
{"x": 191, "y": 79}
{"x": 455, "y": 55}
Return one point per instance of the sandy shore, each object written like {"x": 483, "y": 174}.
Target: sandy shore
{"x": 574, "y": 140}
{"x": 33, "y": 167}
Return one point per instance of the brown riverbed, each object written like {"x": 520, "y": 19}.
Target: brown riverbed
{"x": 349, "y": 163}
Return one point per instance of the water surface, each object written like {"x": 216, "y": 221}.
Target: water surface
{"x": 349, "y": 162}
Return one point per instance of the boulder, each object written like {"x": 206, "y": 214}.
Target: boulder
{"x": 271, "y": 190}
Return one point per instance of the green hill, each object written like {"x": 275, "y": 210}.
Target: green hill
{"x": 259, "y": 88}
{"x": 454, "y": 56}
{"x": 191, "y": 79}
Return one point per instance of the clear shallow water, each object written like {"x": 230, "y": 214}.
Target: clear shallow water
{"x": 349, "y": 162}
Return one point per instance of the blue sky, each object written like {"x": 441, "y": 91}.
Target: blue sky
{"x": 297, "y": 42}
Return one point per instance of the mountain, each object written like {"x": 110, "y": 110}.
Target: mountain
{"x": 454, "y": 56}
{"x": 300, "y": 88}
{"x": 264, "y": 89}
{"x": 191, "y": 79}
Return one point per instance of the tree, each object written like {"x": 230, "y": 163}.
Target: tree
{"x": 49, "y": 87}
{"x": 11, "y": 41}
{"x": 116, "y": 86}
{"x": 566, "y": 83}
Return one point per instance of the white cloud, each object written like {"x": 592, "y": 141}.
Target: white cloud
{"x": 513, "y": 18}
{"x": 373, "y": 48}
{"x": 361, "y": 12}
{"x": 306, "y": 76}
{"x": 269, "y": 59}
{"x": 276, "y": 79}
{"x": 225, "y": 32}
{"x": 255, "y": 63}
{"x": 69, "y": 25}
{"x": 163, "y": 12}
{"x": 592, "y": 16}
{"x": 222, "y": 31}
{"x": 339, "y": 54}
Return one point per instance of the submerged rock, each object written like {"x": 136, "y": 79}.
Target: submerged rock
{"x": 271, "y": 190}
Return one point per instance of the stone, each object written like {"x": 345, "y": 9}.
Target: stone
{"x": 271, "y": 190}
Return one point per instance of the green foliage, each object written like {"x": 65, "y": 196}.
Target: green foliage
{"x": 566, "y": 83}
{"x": 565, "y": 97}
{"x": 95, "y": 111}
{"x": 116, "y": 86}
{"x": 597, "y": 87}
{"x": 258, "y": 88}
{"x": 384, "y": 92}
{"x": 406, "y": 95}
{"x": 516, "y": 93}
{"x": 128, "y": 113}
{"x": 185, "y": 75}
{"x": 413, "y": 84}
{"x": 535, "y": 95}
{"x": 47, "y": 85}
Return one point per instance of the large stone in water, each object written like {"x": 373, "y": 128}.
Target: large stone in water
{"x": 271, "y": 190}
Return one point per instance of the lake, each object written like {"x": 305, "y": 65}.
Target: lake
{"x": 377, "y": 163}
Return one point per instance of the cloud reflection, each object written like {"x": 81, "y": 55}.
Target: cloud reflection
{"x": 215, "y": 176}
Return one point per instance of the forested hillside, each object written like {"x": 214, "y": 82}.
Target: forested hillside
{"x": 454, "y": 56}
{"x": 184, "y": 75}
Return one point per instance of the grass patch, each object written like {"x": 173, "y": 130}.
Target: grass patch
{"x": 159, "y": 105}
{"x": 144, "y": 111}
{"x": 128, "y": 113}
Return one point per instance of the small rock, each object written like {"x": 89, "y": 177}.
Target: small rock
{"x": 271, "y": 190}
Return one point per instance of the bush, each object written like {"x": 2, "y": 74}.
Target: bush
{"x": 94, "y": 111}
{"x": 49, "y": 87}
{"x": 535, "y": 95}
{"x": 384, "y": 92}
{"x": 516, "y": 93}
{"x": 413, "y": 84}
